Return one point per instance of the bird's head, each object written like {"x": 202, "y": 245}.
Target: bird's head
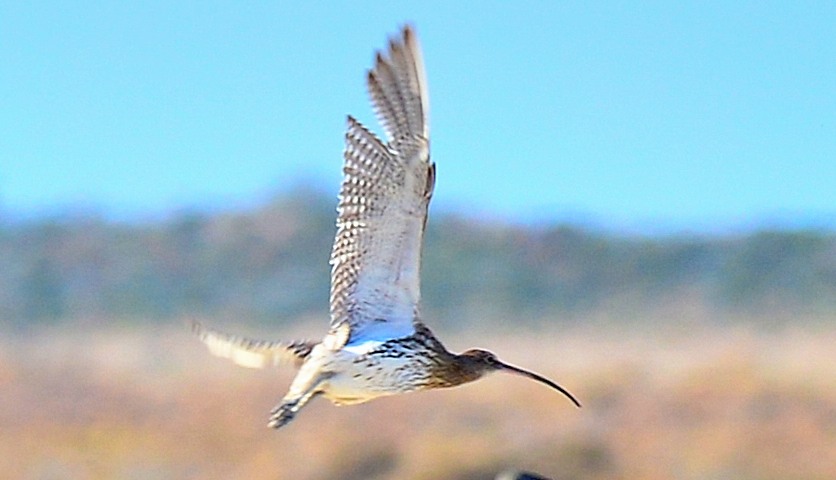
{"x": 486, "y": 361}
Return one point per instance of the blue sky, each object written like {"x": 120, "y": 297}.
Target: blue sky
{"x": 672, "y": 114}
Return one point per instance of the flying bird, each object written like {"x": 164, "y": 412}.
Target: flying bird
{"x": 377, "y": 343}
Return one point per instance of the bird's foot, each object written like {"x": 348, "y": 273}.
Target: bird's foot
{"x": 282, "y": 414}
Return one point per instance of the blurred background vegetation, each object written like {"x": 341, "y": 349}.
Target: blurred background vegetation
{"x": 270, "y": 265}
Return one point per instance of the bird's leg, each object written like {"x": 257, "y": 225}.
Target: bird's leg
{"x": 296, "y": 398}
{"x": 284, "y": 412}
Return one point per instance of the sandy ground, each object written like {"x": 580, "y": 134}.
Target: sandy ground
{"x": 687, "y": 403}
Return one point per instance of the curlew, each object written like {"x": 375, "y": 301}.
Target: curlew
{"x": 377, "y": 343}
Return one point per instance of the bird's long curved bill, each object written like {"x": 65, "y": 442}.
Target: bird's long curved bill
{"x": 534, "y": 376}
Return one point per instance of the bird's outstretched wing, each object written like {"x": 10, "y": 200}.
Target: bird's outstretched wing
{"x": 382, "y": 211}
{"x": 253, "y": 353}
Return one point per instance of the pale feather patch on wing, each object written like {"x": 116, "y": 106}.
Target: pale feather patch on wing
{"x": 253, "y": 353}
{"x": 363, "y": 347}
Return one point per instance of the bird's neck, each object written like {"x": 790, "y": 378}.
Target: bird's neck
{"x": 458, "y": 369}
{"x": 448, "y": 369}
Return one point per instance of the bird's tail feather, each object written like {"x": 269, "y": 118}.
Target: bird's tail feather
{"x": 252, "y": 353}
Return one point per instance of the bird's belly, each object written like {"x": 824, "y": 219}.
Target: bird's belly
{"x": 367, "y": 380}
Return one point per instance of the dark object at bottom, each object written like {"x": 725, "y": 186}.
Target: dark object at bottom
{"x": 518, "y": 475}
